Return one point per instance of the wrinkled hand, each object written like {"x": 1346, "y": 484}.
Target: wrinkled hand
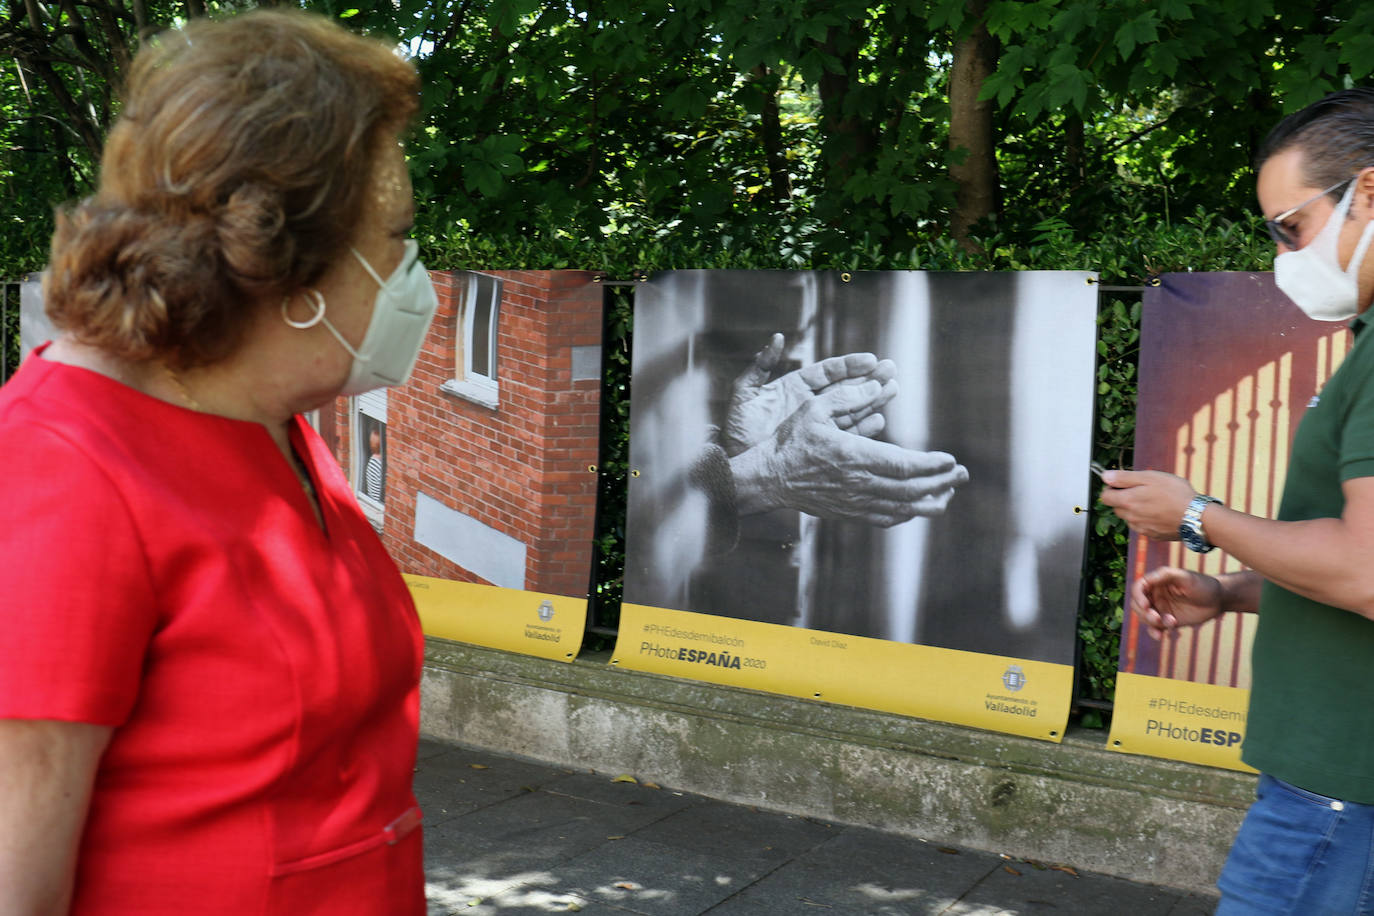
{"x": 758, "y": 406}
{"x": 1150, "y": 502}
{"x": 812, "y": 465}
{"x": 1167, "y": 598}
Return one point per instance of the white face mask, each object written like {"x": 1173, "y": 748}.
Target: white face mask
{"x": 401, "y": 314}
{"x": 1312, "y": 276}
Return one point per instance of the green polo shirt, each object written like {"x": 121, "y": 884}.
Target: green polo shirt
{"x": 1311, "y": 719}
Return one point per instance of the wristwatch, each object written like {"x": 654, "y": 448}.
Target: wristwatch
{"x": 1190, "y": 529}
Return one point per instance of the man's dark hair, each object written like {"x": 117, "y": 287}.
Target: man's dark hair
{"x": 1335, "y": 134}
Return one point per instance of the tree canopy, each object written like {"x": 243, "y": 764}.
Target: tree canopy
{"x": 619, "y": 134}
{"x": 820, "y": 125}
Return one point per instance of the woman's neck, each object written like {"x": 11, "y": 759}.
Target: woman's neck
{"x": 212, "y": 389}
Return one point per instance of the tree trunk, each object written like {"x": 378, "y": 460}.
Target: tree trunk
{"x": 971, "y": 127}
{"x": 1075, "y": 153}
{"x": 770, "y": 130}
{"x": 849, "y": 141}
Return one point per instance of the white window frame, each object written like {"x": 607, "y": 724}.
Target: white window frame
{"x": 365, "y": 411}
{"x": 481, "y": 293}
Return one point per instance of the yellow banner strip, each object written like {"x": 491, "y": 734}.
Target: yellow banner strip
{"x": 1179, "y": 720}
{"x": 531, "y": 623}
{"x": 1014, "y": 696}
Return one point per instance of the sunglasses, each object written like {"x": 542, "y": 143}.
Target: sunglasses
{"x": 1281, "y": 233}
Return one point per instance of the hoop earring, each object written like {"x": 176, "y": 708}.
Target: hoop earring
{"x": 310, "y": 295}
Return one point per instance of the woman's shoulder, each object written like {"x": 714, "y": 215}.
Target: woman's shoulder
{"x": 52, "y": 416}
{"x": 93, "y": 410}
{"x": 61, "y": 393}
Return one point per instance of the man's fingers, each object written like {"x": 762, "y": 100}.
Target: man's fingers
{"x": 767, "y": 358}
{"x": 846, "y": 420}
{"x": 1125, "y": 479}
{"x": 885, "y": 513}
{"x": 884, "y": 459}
{"x": 764, "y": 362}
{"x": 934, "y": 503}
{"x": 838, "y": 368}
{"x": 854, "y": 401}
{"x": 868, "y": 427}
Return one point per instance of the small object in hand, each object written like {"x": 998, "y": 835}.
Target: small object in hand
{"x": 1097, "y": 469}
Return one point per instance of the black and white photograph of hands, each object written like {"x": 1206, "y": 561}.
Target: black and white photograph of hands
{"x": 895, "y": 455}
{"x": 807, "y": 440}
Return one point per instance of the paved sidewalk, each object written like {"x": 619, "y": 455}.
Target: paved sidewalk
{"x": 507, "y": 836}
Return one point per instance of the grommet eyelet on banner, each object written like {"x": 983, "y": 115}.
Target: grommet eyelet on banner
{"x": 845, "y": 277}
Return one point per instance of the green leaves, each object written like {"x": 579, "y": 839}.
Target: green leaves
{"x": 1008, "y": 18}
{"x": 487, "y": 165}
{"x": 1142, "y": 30}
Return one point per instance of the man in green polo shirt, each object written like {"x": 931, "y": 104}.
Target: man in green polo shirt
{"x": 1307, "y": 843}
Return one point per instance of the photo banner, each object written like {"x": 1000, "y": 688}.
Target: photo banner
{"x": 546, "y": 626}
{"x": 791, "y": 526}
{"x": 1227, "y": 366}
{"x": 492, "y": 451}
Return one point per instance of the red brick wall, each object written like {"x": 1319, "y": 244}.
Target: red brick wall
{"x": 521, "y": 468}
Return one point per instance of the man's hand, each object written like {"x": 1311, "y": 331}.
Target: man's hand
{"x": 1150, "y": 502}
{"x": 812, "y": 465}
{"x": 1167, "y": 598}
{"x": 758, "y": 406}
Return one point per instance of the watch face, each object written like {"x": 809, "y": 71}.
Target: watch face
{"x": 1190, "y": 529}
{"x": 1193, "y": 539}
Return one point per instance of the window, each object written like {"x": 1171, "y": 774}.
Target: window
{"x": 368, "y": 412}
{"x": 476, "y": 365}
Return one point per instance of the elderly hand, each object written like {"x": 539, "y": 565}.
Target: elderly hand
{"x": 812, "y": 465}
{"x": 1168, "y": 598}
{"x": 758, "y": 406}
{"x": 1150, "y": 502}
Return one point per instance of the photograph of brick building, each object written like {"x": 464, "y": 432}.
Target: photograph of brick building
{"x": 481, "y": 469}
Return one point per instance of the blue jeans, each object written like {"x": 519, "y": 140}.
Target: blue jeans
{"x": 1300, "y": 853}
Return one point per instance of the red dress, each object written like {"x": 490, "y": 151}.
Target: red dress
{"x": 162, "y": 572}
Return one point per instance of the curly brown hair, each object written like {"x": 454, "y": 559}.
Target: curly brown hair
{"x": 236, "y": 172}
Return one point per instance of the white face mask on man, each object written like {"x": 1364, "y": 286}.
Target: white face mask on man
{"x": 1312, "y": 276}
{"x": 404, "y": 307}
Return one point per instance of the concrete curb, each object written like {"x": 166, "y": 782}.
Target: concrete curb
{"x": 1147, "y": 820}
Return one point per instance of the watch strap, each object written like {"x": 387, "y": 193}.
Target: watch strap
{"x": 1190, "y": 529}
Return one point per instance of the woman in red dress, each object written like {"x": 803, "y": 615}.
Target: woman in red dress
{"x": 208, "y": 665}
